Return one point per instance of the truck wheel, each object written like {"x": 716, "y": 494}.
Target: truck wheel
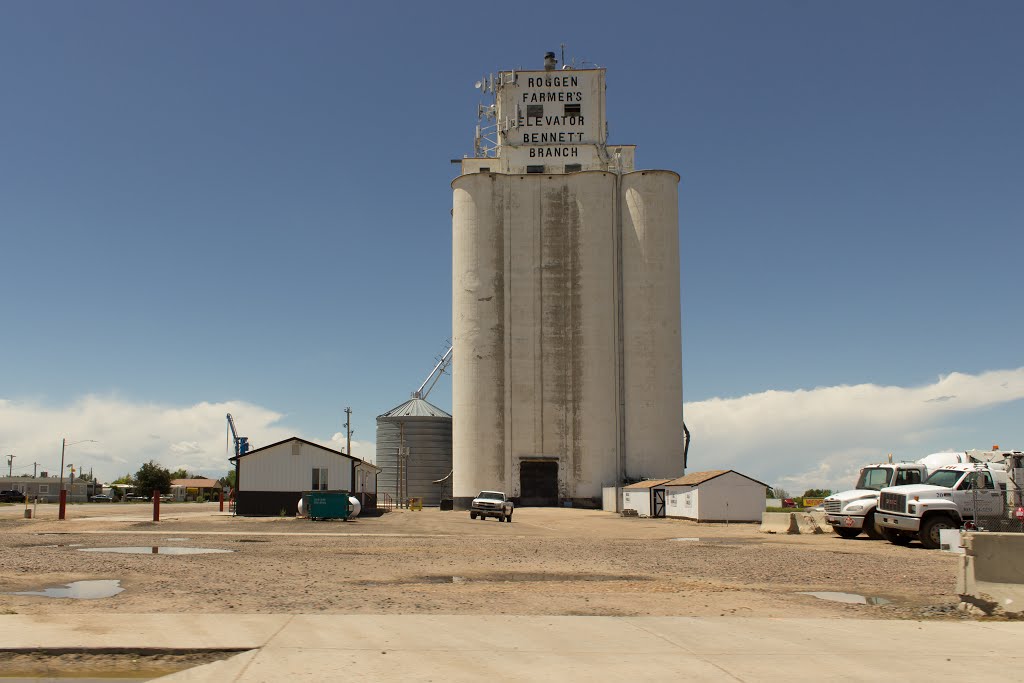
{"x": 509, "y": 518}
{"x": 894, "y": 536}
{"x": 930, "y": 531}
{"x": 501, "y": 518}
{"x": 870, "y": 529}
{"x": 472, "y": 515}
{"x": 847, "y": 533}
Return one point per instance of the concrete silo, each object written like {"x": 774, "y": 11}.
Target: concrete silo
{"x": 565, "y": 291}
{"x": 414, "y": 449}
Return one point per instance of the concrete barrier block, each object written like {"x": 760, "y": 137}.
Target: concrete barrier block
{"x": 779, "y": 523}
{"x": 821, "y": 521}
{"x": 806, "y": 524}
{"x": 991, "y": 573}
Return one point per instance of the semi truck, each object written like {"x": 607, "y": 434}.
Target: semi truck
{"x": 852, "y": 512}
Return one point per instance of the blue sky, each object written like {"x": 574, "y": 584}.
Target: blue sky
{"x": 245, "y": 205}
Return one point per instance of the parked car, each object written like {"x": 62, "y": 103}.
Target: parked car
{"x": 12, "y": 497}
{"x": 101, "y": 498}
{"x": 166, "y": 498}
{"x": 137, "y": 497}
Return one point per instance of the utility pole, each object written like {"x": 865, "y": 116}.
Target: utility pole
{"x": 35, "y": 469}
{"x": 10, "y": 466}
{"x": 348, "y": 430}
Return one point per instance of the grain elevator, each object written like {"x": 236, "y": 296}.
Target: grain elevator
{"x": 567, "y": 369}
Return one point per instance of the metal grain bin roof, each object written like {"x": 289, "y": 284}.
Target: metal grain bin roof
{"x": 415, "y": 407}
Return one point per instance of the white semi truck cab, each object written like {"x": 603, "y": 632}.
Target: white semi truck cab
{"x": 851, "y": 512}
{"x": 949, "y": 497}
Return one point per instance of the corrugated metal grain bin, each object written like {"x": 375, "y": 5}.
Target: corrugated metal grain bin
{"x": 414, "y": 449}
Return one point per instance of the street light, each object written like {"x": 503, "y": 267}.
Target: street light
{"x": 63, "y": 445}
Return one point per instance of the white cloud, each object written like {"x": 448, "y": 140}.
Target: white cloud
{"x": 795, "y": 439}
{"x": 193, "y": 437}
{"x": 820, "y": 437}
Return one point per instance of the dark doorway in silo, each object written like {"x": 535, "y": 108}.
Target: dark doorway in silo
{"x": 538, "y": 483}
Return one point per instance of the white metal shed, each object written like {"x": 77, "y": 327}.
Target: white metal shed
{"x": 715, "y": 496}
{"x": 646, "y": 497}
{"x": 273, "y": 478}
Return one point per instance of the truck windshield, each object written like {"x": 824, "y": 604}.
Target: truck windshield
{"x": 946, "y": 478}
{"x": 874, "y": 478}
{"x": 491, "y": 494}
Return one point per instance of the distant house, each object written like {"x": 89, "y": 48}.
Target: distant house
{"x": 272, "y": 479}
{"x": 47, "y": 489}
{"x": 715, "y": 496}
{"x": 194, "y": 489}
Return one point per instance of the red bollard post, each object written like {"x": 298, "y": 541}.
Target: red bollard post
{"x": 63, "y": 503}
{"x": 156, "y": 505}
{"x": 222, "y": 501}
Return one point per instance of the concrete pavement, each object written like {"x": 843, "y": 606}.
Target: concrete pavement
{"x": 528, "y": 648}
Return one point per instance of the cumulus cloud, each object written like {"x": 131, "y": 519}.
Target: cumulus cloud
{"x": 795, "y": 439}
{"x": 129, "y": 433}
{"x": 810, "y": 438}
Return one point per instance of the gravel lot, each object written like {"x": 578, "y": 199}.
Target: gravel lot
{"x": 548, "y": 561}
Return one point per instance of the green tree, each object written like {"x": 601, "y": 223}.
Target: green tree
{"x": 124, "y": 479}
{"x": 228, "y": 481}
{"x": 182, "y": 473}
{"x": 817, "y": 493}
{"x": 152, "y": 477}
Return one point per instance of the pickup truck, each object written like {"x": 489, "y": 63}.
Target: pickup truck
{"x": 491, "y": 504}
{"x": 948, "y": 498}
{"x": 12, "y": 497}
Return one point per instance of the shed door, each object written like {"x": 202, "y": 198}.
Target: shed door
{"x": 658, "y": 503}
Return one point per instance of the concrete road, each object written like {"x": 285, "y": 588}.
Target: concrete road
{"x": 552, "y": 648}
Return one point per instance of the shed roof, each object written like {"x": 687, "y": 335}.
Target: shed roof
{"x": 295, "y": 438}
{"x": 202, "y": 483}
{"x": 647, "y": 484}
{"x": 416, "y": 407}
{"x": 697, "y": 478}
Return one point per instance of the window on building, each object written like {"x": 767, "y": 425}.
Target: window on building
{"x": 534, "y": 169}
{"x": 573, "y": 168}
{"x": 485, "y": 169}
{"x": 572, "y": 109}
{"x": 535, "y": 111}
{"x": 44, "y": 488}
{"x": 319, "y": 479}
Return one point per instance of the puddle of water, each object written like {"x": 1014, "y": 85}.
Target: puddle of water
{"x": 848, "y": 598}
{"x": 251, "y": 540}
{"x": 61, "y": 545}
{"x": 715, "y": 541}
{"x": 504, "y": 578}
{"x": 177, "y": 539}
{"x": 155, "y": 550}
{"x": 80, "y": 590}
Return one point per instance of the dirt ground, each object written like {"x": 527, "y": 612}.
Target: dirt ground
{"x": 552, "y": 561}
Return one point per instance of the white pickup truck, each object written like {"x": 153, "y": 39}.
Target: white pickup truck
{"x": 852, "y": 512}
{"x": 948, "y": 498}
{"x": 491, "y": 504}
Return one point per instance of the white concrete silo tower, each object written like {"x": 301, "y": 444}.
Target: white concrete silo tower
{"x": 567, "y": 370}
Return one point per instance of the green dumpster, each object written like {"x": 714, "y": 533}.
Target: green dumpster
{"x": 327, "y": 504}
